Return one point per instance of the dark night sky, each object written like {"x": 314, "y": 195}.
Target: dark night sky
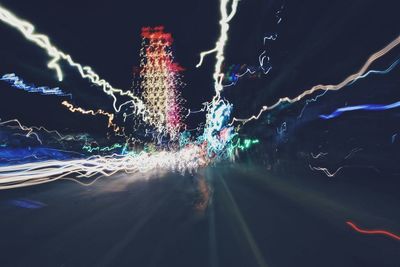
{"x": 319, "y": 42}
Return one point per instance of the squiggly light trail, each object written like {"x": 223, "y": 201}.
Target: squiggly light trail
{"x": 220, "y": 45}
{"x": 319, "y": 155}
{"x": 386, "y": 71}
{"x": 308, "y": 101}
{"x": 91, "y": 149}
{"x": 234, "y": 78}
{"x": 110, "y": 116}
{"x": 43, "y": 41}
{"x": 334, "y": 173}
{"x": 17, "y": 82}
{"x": 246, "y": 143}
{"x": 326, "y": 171}
{"x": 373, "y": 232}
{"x": 331, "y": 87}
{"x": 31, "y": 130}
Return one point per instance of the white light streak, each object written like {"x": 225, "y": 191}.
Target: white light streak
{"x": 187, "y": 159}
{"x": 43, "y": 41}
{"x": 220, "y": 44}
{"x": 321, "y": 87}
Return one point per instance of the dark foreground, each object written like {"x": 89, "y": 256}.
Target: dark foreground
{"x": 239, "y": 215}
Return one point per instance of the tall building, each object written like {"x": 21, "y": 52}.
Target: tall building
{"x": 160, "y": 81}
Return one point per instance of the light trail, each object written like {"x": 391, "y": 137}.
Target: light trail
{"x": 278, "y": 14}
{"x": 352, "y": 152}
{"x": 261, "y": 58}
{"x": 308, "y": 101}
{"x": 187, "y": 159}
{"x": 91, "y": 149}
{"x": 373, "y": 232}
{"x": 18, "y": 83}
{"x": 246, "y": 144}
{"x": 282, "y": 129}
{"x": 216, "y": 133}
{"x": 30, "y": 130}
{"x": 386, "y": 71}
{"x": 43, "y": 41}
{"x": 220, "y": 44}
{"x": 330, "y": 174}
{"x": 321, "y": 87}
{"x": 23, "y": 155}
{"x": 203, "y": 109}
{"x": 33, "y": 131}
{"x": 326, "y": 171}
{"x": 394, "y": 137}
{"x": 253, "y": 70}
{"x": 110, "y": 116}
{"x": 371, "y": 107}
{"x": 319, "y": 155}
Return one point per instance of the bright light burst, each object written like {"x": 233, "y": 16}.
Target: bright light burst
{"x": 160, "y": 76}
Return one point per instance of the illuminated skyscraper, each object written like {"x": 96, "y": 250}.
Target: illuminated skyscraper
{"x": 160, "y": 81}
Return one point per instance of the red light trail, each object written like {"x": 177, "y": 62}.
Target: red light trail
{"x": 373, "y": 232}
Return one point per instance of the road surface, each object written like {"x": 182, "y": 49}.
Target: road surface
{"x": 227, "y": 215}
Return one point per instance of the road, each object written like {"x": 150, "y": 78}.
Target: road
{"x": 226, "y": 215}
